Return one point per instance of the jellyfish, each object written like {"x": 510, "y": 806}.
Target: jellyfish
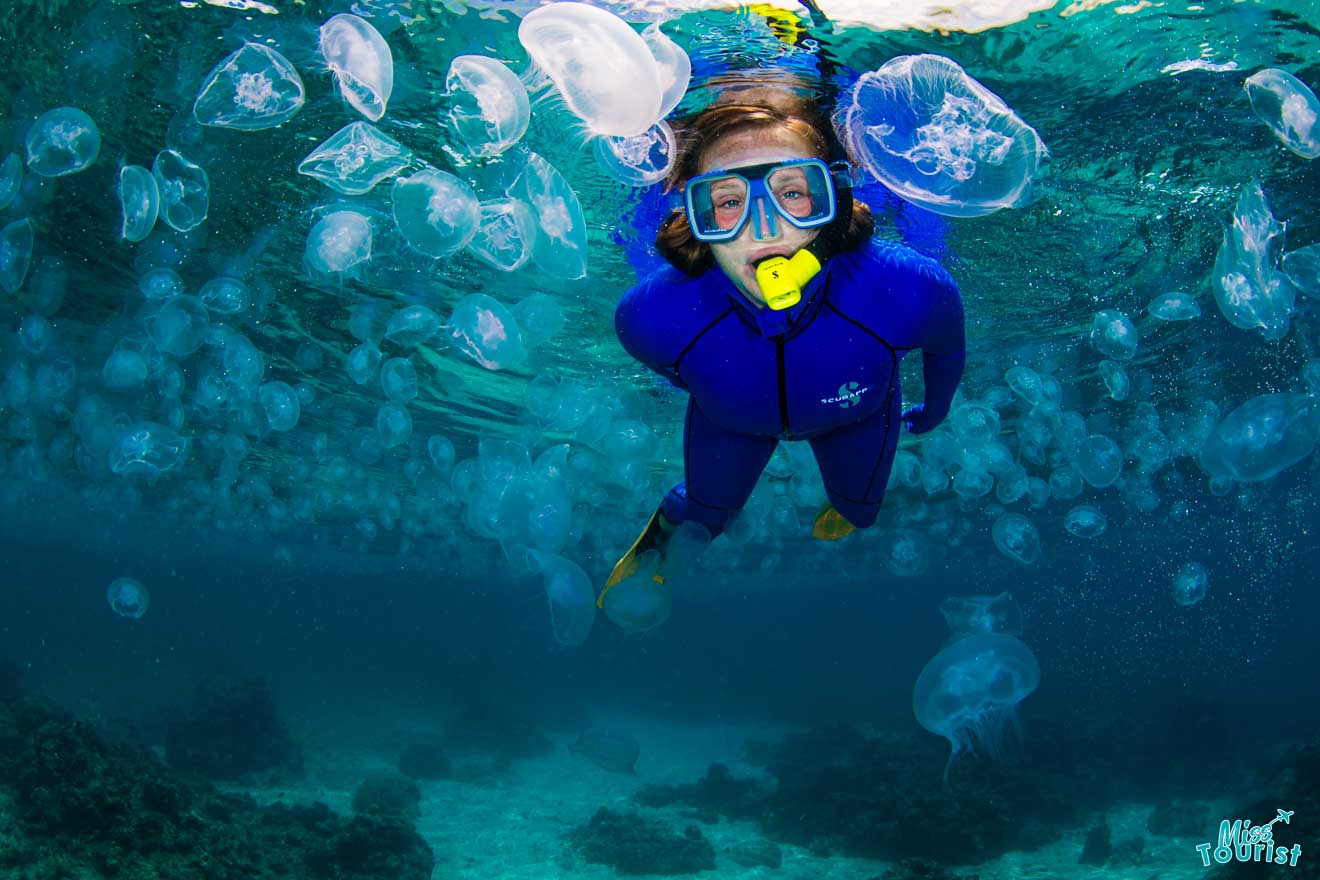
{"x": 1288, "y": 107}
{"x": 907, "y": 554}
{"x": 361, "y": 61}
{"x": 160, "y": 283}
{"x": 639, "y": 160}
{"x": 36, "y": 334}
{"x": 642, "y": 602}
{"x": 124, "y": 370}
{"x": 139, "y": 197}
{"x": 146, "y": 448}
{"x": 539, "y": 318}
{"x": 1085, "y": 521}
{"x": 1262, "y": 437}
{"x": 279, "y": 404}
{"x": 604, "y": 70}
{"x": 178, "y": 325}
{"x": 411, "y": 326}
{"x": 1025, "y": 383}
{"x": 253, "y": 88}
{"x": 489, "y": 109}
{"x": 560, "y": 249}
{"x": 62, "y": 141}
{"x": 506, "y": 234}
{"x": 15, "y": 254}
{"x": 673, "y": 64}
{"x": 398, "y": 379}
{"x": 435, "y": 212}
{"x": 969, "y": 691}
{"x": 1302, "y": 266}
{"x": 339, "y": 243}
{"x": 1113, "y": 335}
{"x": 440, "y": 449}
{"x": 128, "y": 598}
{"x": 185, "y": 190}
{"x": 1190, "y": 585}
{"x": 485, "y": 331}
{"x": 393, "y": 424}
{"x": 1017, "y": 538}
{"x": 1115, "y": 379}
{"x": 11, "y": 178}
{"x": 571, "y": 597}
{"x": 968, "y": 615}
{"x": 223, "y": 295}
{"x": 940, "y": 139}
{"x": 355, "y": 159}
{"x": 362, "y": 363}
{"x": 1252, "y": 294}
{"x": 1100, "y": 460}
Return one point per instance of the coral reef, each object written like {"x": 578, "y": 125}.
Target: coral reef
{"x": 633, "y": 844}
{"x": 231, "y": 730}
{"x": 84, "y": 808}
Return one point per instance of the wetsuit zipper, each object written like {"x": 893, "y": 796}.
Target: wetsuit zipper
{"x": 783, "y": 385}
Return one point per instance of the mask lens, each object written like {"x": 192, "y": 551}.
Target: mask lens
{"x": 718, "y": 204}
{"x": 801, "y": 191}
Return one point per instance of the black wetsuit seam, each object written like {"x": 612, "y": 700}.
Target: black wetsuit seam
{"x": 889, "y": 426}
{"x": 867, "y": 330}
{"x": 697, "y": 338}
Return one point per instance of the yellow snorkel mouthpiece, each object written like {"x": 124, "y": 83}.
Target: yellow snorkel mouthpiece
{"x": 782, "y": 278}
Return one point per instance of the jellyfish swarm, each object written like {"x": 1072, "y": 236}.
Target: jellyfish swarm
{"x": 968, "y": 691}
{"x": 940, "y": 139}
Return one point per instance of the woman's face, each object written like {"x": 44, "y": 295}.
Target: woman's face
{"x": 738, "y": 258}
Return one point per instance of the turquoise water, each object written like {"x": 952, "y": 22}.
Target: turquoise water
{"x": 330, "y": 603}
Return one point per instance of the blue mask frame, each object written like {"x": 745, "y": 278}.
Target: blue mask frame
{"x": 765, "y": 204}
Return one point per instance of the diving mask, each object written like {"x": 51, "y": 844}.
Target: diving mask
{"x": 799, "y": 192}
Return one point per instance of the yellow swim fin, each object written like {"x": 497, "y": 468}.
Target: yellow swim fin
{"x": 653, "y": 537}
{"x": 830, "y": 525}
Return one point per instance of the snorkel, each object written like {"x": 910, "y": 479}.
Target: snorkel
{"x": 781, "y": 279}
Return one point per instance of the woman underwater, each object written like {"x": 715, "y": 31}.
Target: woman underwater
{"x": 783, "y": 320}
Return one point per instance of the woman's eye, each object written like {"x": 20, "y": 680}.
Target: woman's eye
{"x": 730, "y": 203}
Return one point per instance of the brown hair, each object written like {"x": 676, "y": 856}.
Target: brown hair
{"x": 759, "y": 108}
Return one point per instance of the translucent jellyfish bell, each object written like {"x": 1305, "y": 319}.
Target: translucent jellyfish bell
{"x": 539, "y": 317}
{"x": 146, "y": 449}
{"x": 1190, "y": 585}
{"x": 967, "y": 615}
{"x": 1017, "y": 538}
{"x": 1251, "y": 291}
{"x": 640, "y": 160}
{"x": 940, "y": 139}
{"x": 251, "y": 89}
{"x": 1100, "y": 460}
{"x": 62, "y": 141}
{"x": 561, "y": 240}
{"x": 1085, "y": 521}
{"x": 485, "y": 331}
{"x": 139, "y": 197}
{"x": 1174, "y": 306}
{"x": 1262, "y": 437}
{"x": 412, "y": 325}
{"x": 355, "y": 159}
{"x": 223, "y": 295}
{"x": 1288, "y": 107}
{"x": 178, "y": 325}
{"x": 604, "y": 70}
{"x": 572, "y": 599}
{"x": 185, "y": 190}
{"x": 907, "y": 554}
{"x": 279, "y": 404}
{"x": 673, "y": 64}
{"x": 361, "y": 61}
{"x": 435, "y": 212}
{"x": 340, "y": 242}
{"x": 128, "y": 598}
{"x": 15, "y": 254}
{"x": 968, "y": 692}
{"x": 506, "y": 234}
{"x": 1113, "y": 335}
{"x": 489, "y": 109}
{"x": 11, "y": 178}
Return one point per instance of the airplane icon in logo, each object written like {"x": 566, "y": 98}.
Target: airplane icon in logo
{"x": 1285, "y": 816}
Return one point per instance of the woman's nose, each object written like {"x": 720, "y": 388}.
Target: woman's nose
{"x": 764, "y": 223}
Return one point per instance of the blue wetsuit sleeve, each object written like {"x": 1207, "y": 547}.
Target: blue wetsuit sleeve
{"x": 638, "y": 331}
{"x": 943, "y": 349}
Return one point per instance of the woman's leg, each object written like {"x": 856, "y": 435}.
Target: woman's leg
{"x": 855, "y": 461}
{"x": 720, "y": 470}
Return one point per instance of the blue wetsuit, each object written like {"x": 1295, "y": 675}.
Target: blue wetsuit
{"x": 825, "y": 371}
